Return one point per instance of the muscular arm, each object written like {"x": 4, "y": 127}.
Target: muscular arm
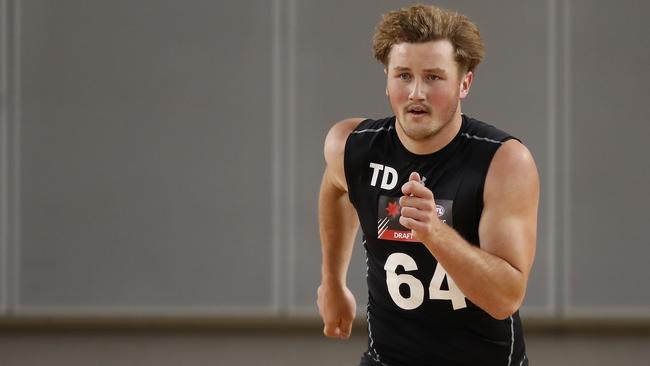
{"x": 336, "y": 216}
{"x": 338, "y": 224}
{"x": 494, "y": 276}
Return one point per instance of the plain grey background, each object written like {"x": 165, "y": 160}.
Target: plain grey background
{"x": 164, "y": 157}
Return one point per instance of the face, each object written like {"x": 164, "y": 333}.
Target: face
{"x": 425, "y": 87}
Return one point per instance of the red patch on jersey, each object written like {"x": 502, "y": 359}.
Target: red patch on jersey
{"x": 393, "y": 209}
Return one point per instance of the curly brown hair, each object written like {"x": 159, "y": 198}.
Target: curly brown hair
{"x": 424, "y": 23}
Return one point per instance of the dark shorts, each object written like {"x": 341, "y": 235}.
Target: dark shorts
{"x": 368, "y": 360}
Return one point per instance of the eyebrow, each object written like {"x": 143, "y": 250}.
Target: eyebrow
{"x": 434, "y": 70}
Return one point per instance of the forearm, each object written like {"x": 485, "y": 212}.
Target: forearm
{"x": 487, "y": 280}
{"x": 338, "y": 227}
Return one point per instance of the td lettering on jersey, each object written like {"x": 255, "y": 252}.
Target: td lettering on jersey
{"x": 388, "y": 177}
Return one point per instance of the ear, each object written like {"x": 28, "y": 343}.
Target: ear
{"x": 465, "y": 84}
{"x": 386, "y": 73}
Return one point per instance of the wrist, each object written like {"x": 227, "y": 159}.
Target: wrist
{"x": 333, "y": 281}
{"x": 436, "y": 235}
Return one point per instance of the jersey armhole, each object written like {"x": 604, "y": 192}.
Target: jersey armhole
{"x": 348, "y": 163}
{"x": 508, "y": 138}
{"x": 346, "y": 167}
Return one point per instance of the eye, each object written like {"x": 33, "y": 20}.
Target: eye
{"x": 404, "y": 76}
{"x": 433, "y": 77}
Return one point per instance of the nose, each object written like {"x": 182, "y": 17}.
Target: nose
{"x": 417, "y": 90}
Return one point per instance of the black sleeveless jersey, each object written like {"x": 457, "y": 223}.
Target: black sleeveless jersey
{"x": 416, "y": 314}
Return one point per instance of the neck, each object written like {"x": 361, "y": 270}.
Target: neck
{"x": 434, "y": 142}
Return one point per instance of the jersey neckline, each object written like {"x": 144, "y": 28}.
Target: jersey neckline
{"x": 405, "y": 153}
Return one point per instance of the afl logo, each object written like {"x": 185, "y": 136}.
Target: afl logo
{"x": 440, "y": 210}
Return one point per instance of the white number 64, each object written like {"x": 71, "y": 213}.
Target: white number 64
{"x": 416, "y": 298}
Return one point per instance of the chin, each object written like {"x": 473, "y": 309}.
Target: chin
{"x": 421, "y": 130}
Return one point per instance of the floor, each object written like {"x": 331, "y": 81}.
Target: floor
{"x": 242, "y": 348}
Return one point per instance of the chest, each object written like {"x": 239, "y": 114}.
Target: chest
{"x": 379, "y": 186}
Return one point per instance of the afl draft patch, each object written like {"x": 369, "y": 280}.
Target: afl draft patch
{"x": 389, "y": 212}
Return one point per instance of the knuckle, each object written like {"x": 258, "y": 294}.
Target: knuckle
{"x": 330, "y": 332}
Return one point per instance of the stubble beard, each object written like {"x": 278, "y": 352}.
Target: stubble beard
{"x": 424, "y": 130}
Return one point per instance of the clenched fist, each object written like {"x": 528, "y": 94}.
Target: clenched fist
{"x": 419, "y": 209}
{"x": 337, "y": 308}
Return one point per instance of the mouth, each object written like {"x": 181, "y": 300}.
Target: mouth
{"x": 417, "y": 111}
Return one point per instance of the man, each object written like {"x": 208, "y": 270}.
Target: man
{"x": 447, "y": 205}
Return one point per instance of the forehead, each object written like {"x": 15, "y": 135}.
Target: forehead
{"x": 432, "y": 54}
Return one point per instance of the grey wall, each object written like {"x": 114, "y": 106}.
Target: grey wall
{"x": 607, "y": 160}
{"x": 145, "y": 139}
{"x": 164, "y": 157}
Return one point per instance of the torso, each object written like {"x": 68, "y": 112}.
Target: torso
{"x": 414, "y": 317}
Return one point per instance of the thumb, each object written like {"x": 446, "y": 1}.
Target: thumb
{"x": 331, "y": 329}
{"x": 415, "y": 176}
{"x": 346, "y": 329}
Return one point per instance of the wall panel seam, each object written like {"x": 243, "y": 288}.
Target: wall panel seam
{"x": 147, "y": 310}
{"x": 613, "y": 311}
{"x": 16, "y": 118}
{"x": 566, "y": 118}
{"x": 291, "y": 147}
{"x": 552, "y": 157}
{"x": 10, "y": 148}
{"x": 276, "y": 155}
{"x": 3, "y": 155}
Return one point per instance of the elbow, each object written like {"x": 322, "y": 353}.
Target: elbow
{"x": 502, "y": 313}
{"x": 505, "y": 308}
{"x": 507, "y": 303}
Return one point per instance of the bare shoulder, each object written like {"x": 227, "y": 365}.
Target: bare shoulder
{"x": 512, "y": 175}
{"x": 336, "y": 137}
{"x": 334, "y": 150}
